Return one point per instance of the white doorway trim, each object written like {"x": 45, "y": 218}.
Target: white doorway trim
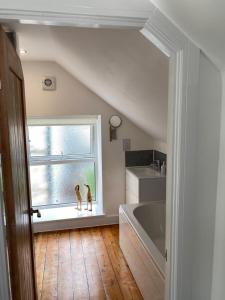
{"x": 183, "y": 99}
{"x": 182, "y": 135}
{"x": 74, "y": 19}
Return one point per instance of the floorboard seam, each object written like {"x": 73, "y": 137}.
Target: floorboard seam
{"x": 46, "y": 246}
{"x": 111, "y": 263}
{"x": 84, "y": 264}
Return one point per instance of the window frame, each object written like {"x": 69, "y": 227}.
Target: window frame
{"x": 62, "y": 159}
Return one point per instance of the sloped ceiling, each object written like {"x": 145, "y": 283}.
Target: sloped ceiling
{"x": 203, "y": 21}
{"x": 120, "y": 66}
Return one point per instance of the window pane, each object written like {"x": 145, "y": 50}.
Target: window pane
{"x": 60, "y": 140}
{"x": 54, "y": 184}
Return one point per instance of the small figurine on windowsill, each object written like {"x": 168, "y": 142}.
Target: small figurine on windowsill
{"x": 78, "y": 196}
{"x": 89, "y": 198}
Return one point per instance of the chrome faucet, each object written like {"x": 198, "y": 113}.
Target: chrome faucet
{"x": 155, "y": 164}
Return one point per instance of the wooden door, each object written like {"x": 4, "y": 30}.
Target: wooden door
{"x": 15, "y": 173}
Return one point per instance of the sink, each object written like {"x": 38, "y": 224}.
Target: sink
{"x": 144, "y": 184}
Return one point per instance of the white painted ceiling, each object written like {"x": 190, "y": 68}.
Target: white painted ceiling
{"x": 203, "y": 21}
{"x": 120, "y": 66}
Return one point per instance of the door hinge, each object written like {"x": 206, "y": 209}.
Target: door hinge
{"x": 0, "y": 85}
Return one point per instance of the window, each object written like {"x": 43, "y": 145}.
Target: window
{"x": 63, "y": 153}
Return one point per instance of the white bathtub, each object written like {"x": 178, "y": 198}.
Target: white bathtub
{"x": 142, "y": 240}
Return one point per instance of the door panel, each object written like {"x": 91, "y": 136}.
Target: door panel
{"x": 15, "y": 173}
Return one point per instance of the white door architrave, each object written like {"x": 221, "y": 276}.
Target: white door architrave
{"x": 181, "y": 150}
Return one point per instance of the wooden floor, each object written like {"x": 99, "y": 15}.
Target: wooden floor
{"x": 83, "y": 264}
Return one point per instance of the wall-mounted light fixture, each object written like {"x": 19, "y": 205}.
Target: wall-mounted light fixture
{"x": 23, "y": 52}
{"x": 114, "y": 122}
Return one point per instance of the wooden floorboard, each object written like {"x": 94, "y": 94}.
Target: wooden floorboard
{"x": 83, "y": 264}
{"x": 50, "y": 274}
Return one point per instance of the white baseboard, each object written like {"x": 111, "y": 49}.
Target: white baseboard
{"x": 92, "y": 221}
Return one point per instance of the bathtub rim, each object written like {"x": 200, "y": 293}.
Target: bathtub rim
{"x": 156, "y": 256}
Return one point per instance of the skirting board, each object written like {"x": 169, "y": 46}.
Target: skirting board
{"x": 75, "y": 223}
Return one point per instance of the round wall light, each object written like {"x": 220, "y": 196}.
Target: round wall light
{"x": 114, "y": 122}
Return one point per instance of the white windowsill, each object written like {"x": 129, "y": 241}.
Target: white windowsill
{"x": 67, "y": 212}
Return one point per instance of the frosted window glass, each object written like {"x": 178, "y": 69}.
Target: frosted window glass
{"x": 54, "y": 184}
{"x": 60, "y": 140}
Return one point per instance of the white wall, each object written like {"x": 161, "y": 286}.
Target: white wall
{"x": 202, "y": 20}
{"x": 218, "y": 286}
{"x": 134, "y": 71}
{"x": 208, "y": 124}
{"x": 71, "y": 98}
{"x": 160, "y": 146}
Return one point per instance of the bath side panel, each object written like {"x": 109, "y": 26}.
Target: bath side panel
{"x": 149, "y": 279}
